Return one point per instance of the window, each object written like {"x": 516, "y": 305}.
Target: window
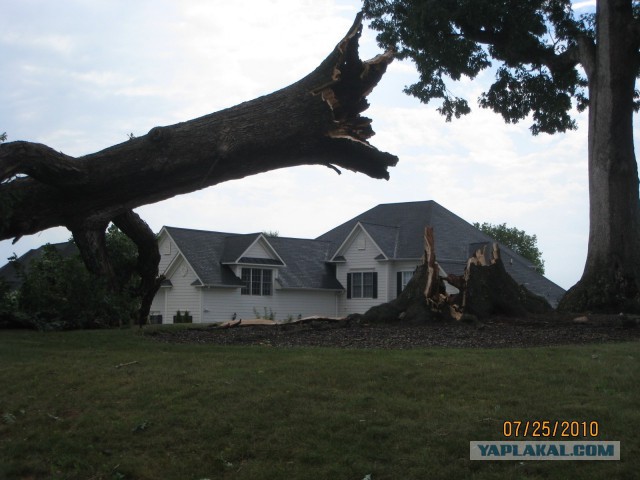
{"x": 256, "y": 281}
{"x": 362, "y": 285}
{"x": 402, "y": 281}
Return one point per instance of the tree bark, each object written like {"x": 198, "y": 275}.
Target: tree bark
{"x": 313, "y": 121}
{"x": 611, "y": 278}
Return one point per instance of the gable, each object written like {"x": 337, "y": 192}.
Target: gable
{"x": 261, "y": 252}
{"x": 253, "y": 248}
{"x": 168, "y": 250}
{"x": 357, "y": 244}
{"x": 180, "y": 268}
{"x": 203, "y": 251}
{"x": 258, "y": 250}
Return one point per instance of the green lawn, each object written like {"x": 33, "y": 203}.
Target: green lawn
{"x": 198, "y": 411}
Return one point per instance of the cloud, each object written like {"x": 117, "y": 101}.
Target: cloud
{"x": 583, "y": 4}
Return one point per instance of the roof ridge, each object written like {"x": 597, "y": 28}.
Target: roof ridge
{"x": 378, "y": 224}
{"x": 184, "y": 229}
{"x": 299, "y": 238}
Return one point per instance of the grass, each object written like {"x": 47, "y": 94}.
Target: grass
{"x": 199, "y": 411}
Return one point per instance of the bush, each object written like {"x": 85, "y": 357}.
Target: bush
{"x": 182, "y": 317}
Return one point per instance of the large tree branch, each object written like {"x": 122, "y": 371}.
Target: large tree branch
{"x": 314, "y": 121}
{"x": 148, "y": 257}
{"x": 40, "y": 162}
{"x": 89, "y": 237}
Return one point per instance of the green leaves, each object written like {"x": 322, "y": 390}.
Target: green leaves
{"x": 517, "y": 240}
{"x": 519, "y": 92}
{"x": 533, "y": 42}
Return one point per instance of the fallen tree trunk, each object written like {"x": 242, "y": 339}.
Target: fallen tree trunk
{"x": 485, "y": 289}
{"x": 313, "y": 121}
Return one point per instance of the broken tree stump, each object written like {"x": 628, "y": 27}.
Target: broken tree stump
{"x": 485, "y": 289}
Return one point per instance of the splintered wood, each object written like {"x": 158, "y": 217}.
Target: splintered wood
{"x": 429, "y": 259}
{"x": 479, "y": 258}
{"x": 455, "y": 304}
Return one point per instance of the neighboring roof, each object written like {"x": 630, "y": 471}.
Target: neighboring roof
{"x": 398, "y": 229}
{"x": 9, "y": 273}
{"x": 207, "y": 252}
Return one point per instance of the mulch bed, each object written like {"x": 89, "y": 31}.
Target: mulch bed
{"x": 496, "y": 332}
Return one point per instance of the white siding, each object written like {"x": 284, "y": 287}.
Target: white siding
{"x": 168, "y": 252}
{"x": 305, "y": 303}
{"x": 158, "y": 305}
{"x": 258, "y": 250}
{"x": 182, "y": 295}
{"x": 360, "y": 254}
{"x": 219, "y": 304}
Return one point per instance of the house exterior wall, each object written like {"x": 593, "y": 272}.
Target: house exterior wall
{"x": 360, "y": 253}
{"x": 168, "y": 252}
{"x": 182, "y": 295}
{"x": 219, "y": 304}
{"x": 158, "y": 306}
{"x": 305, "y": 303}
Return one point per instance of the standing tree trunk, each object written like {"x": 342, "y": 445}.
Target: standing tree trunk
{"x": 611, "y": 278}
{"x": 313, "y": 121}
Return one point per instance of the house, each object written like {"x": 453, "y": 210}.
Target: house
{"x": 10, "y": 274}
{"x": 366, "y": 261}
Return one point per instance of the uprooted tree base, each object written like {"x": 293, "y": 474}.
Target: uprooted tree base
{"x": 313, "y": 121}
{"x": 485, "y": 289}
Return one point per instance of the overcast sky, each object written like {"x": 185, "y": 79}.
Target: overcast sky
{"x": 81, "y": 75}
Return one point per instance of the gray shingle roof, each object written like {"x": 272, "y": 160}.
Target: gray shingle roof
{"x": 235, "y": 245}
{"x": 398, "y": 229}
{"x": 305, "y": 260}
{"x": 204, "y": 251}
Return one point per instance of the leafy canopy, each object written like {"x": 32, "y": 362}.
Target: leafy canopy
{"x": 533, "y": 42}
{"x": 517, "y": 240}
